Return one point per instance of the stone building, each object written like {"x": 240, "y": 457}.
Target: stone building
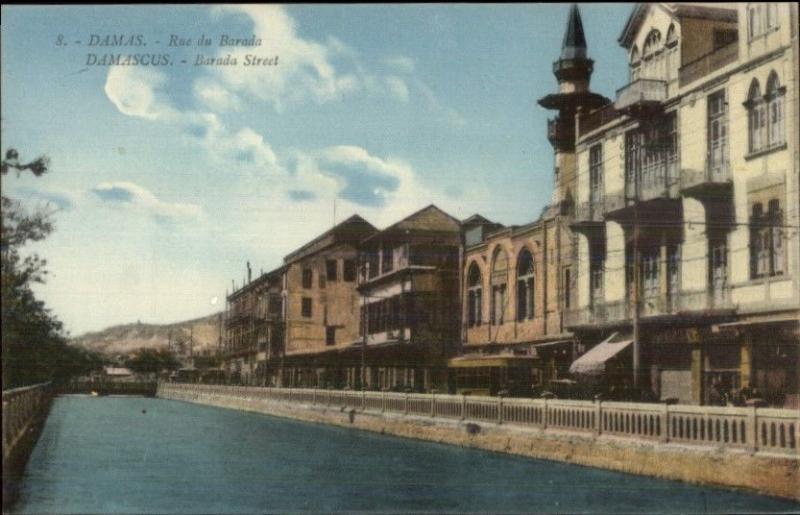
{"x": 518, "y": 281}
{"x": 409, "y": 287}
{"x": 322, "y": 306}
{"x": 254, "y": 327}
{"x": 686, "y": 206}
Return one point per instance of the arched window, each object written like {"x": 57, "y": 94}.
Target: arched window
{"x": 766, "y": 115}
{"x": 774, "y": 99}
{"x": 672, "y": 53}
{"x": 525, "y": 285}
{"x": 499, "y": 280}
{"x": 652, "y": 42}
{"x": 672, "y": 35}
{"x": 634, "y": 63}
{"x": 652, "y": 56}
{"x": 756, "y": 117}
{"x": 474, "y": 296}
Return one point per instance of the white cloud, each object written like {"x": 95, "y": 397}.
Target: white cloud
{"x": 132, "y": 196}
{"x": 305, "y": 69}
{"x": 134, "y": 91}
{"x": 400, "y": 63}
{"x": 216, "y": 97}
{"x": 397, "y": 87}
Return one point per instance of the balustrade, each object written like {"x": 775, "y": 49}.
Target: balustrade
{"x": 757, "y": 429}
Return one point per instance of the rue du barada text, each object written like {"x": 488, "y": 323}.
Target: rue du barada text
{"x": 175, "y": 41}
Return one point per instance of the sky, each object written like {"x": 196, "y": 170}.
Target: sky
{"x": 166, "y": 179}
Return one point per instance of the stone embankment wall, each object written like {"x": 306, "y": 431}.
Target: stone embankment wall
{"x": 753, "y": 449}
{"x": 24, "y": 412}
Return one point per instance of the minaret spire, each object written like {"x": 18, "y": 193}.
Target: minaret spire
{"x": 573, "y": 70}
{"x": 574, "y": 44}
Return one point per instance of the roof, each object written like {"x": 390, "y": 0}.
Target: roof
{"x": 703, "y": 11}
{"x": 427, "y": 219}
{"x": 574, "y": 44}
{"x": 258, "y": 281}
{"x": 594, "y": 361}
{"x": 477, "y": 219}
{"x": 352, "y": 230}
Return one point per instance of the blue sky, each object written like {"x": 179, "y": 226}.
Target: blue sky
{"x": 167, "y": 179}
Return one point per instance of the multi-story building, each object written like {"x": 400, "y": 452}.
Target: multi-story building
{"x": 322, "y": 306}
{"x": 254, "y": 327}
{"x": 686, "y": 192}
{"x": 518, "y": 281}
{"x": 409, "y": 287}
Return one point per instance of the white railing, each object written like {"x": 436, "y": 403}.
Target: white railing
{"x": 752, "y": 429}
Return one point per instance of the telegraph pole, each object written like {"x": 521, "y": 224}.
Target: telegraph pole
{"x": 636, "y": 275}
{"x": 364, "y": 343}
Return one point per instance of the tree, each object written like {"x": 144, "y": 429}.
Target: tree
{"x": 34, "y": 345}
{"x": 152, "y": 361}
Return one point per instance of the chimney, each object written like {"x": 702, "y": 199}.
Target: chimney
{"x": 249, "y": 273}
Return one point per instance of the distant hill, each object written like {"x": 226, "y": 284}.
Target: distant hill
{"x": 128, "y": 338}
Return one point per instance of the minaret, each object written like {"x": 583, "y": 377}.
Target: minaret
{"x": 573, "y": 70}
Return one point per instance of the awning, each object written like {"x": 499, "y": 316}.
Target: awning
{"x": 594, "y": 361}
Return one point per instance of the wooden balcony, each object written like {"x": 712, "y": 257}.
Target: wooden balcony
{"x": 713, "y": 181}
{"x": 641, "y": 97}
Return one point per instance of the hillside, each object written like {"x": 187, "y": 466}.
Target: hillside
{"x": 124, "y": 339}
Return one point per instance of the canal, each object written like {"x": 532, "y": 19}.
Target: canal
{"x": 146, "y": 455}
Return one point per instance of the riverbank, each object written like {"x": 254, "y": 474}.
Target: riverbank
{"x": 763, "y": 472}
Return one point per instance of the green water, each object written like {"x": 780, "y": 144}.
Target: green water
{"x": 105, "y": 455}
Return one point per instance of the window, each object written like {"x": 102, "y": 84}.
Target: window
{"x": 651, "y": 157}
{"x": 474, "y": 296}
{"x": 673, "y": 271}
{"x": 775, "y": 103}
{"x": 330, "y": 335}
{"x": 308, "y": 278}
{"x": 387, "y": 261}
{"x": 761, "y": 18}
{"x": 766, "y": 115}
{"x": 525, "y": 286}
{"x": 349, "y": 270}
{"x": 499, "y": 280}
{"x": 306, "y": 308}
{"x": 373, "y": 260}
{"x": 331, "y": 269}
{"x": 321, "y": 279}
{"x": 597, "y": 269}
{"x": 650, "y": 275}
{"x": 635, "y": 64}
{"x": 596, "y": 174}
{"x": 567, "y": 288}
{"x": 717, "y": 133}
{"x": 766, "y": 240}
{"x": 718, "y": 267}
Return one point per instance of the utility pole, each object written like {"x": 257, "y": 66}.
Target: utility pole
{"x": 636, "y": 270}
{"x": 364, "y": 343}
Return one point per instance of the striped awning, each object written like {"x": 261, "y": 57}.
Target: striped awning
{"x": 594, "y": 362}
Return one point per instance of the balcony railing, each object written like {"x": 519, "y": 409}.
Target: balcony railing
{"x": 641, "y": 91}
{"x": 560, "y": 133}
{"x": 622, "y": 311}
{"x": 708, "y": 63}
{"x": 590, "y": 211}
